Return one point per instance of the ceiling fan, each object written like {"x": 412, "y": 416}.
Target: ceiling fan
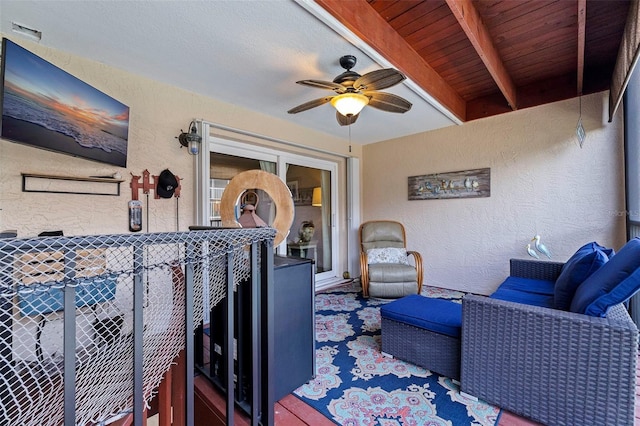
{"x": 355, "y": 91}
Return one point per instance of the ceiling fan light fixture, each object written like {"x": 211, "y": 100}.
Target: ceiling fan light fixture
{"x": 349, "y": 104}
{"x": 352, "y": 92}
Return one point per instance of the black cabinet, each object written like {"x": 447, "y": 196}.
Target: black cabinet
{"x": 294, "y": 349}
{"x": 293, "y": 332}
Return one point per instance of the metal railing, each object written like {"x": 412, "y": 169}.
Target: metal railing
{"x": 89, "y": 325}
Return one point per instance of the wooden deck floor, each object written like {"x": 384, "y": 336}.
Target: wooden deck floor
{"x": 291, "y": 407}
{"x": 308, "y": 416}
{"x": 291, "y": 411}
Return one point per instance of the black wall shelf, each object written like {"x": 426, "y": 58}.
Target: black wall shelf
{"x": 32, "y": 182}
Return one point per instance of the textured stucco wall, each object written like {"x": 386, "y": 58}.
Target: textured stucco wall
{"x": 157, "y": 113}
{"x": 541, "y": 182}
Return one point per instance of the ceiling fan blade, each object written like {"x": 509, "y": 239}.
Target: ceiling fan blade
{"x": 388, "y": 102}
{"x": 311, "y": 104}
{"x": 321, "y": 84}
{"x": 346, "y": 121}
{"x": 379, "y": 79}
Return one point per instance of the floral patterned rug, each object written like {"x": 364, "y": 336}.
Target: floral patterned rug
{"x": 356, "y": 385}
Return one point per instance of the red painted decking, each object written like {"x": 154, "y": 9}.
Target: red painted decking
{"x": 291, "y": 411}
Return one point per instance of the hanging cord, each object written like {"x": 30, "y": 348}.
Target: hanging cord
{"x": 177, "y": 229}
{"x": 41, "y": 325}
{"x": 177, "y": 214}
{"x": 579, "y": 109}
{"x": 147, "y": 213}
{"x": 349, "y": 137}
{"x": 580, "y": 132}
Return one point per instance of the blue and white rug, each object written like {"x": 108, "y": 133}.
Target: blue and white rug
{"x": 356, "y": 385}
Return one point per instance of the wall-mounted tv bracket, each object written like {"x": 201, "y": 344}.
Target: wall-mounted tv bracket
{"x": 147, "y": 185}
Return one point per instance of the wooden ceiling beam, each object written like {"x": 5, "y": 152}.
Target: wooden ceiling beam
{"x": 363, "y": 20}
{"x": 539, "y": 93}
{"x": 471, "y": 23}
{"x": 582, "y": 21}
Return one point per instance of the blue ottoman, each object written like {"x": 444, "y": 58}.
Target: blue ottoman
{"x": 424, "y": 332}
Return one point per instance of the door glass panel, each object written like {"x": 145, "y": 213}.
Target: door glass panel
{"x": 312, "y": 183}
{"x": 223, "y": 168}
{"x": 311, "y": 235}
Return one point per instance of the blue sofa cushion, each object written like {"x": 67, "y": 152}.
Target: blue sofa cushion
{"x": 584, "y": 262}
{"x": 523, "y": 296}
{"x": 437, "y": 315}
{"x": 530, "y": 285}
{"x": 615, "y": 282}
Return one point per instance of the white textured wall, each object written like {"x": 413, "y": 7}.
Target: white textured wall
{"x": 157, "y": 113}
{"x": 541, "y": 182}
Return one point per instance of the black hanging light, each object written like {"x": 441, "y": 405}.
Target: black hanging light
{"x": 191, "y": 140}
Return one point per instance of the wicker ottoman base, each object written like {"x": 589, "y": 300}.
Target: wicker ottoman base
{"x": 434, "y": 351}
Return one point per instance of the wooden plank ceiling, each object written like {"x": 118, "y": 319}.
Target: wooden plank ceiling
{"x": 485, "y": 57}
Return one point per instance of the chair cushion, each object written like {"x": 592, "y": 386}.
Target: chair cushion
{"x": 387, "y": 255}
{"x": 438, "y": 315}
{"x": 392, "y": 290}
{"x": 530, "y": 285}
{"x": 584, "y": 262}
{"x": 392, "y": 273}
{"x": 380, "y": 234}
{"x": 614, "y": 283}
{"x": 525, "y": 297}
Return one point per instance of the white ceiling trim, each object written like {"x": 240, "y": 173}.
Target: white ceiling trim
{"x": 266, "y": 138}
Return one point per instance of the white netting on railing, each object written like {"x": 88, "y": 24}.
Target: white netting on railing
{"x": 36, "y": 273}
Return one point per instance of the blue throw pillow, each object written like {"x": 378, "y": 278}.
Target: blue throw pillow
{"x": 615, "y": 282}
{"x": 584, "y": 262}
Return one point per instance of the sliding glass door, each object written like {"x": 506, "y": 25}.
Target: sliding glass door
{"x": 312, "y": 182}
{"x": 313, "y": 232}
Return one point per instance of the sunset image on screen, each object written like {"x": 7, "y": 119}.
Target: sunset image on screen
{"x": 44, "y": 106}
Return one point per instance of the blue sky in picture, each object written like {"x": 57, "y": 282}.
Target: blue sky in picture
{"x": 41, "y": 93}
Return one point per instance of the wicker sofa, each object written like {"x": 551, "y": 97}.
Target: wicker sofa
{"x": 554, "y": 366}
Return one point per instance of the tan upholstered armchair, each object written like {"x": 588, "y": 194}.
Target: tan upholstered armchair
{"x": 385, "y": 269}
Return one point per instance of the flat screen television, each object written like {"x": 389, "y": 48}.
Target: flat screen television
{"x": 46, "y": 107}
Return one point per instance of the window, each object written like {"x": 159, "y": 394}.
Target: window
{"x": 632, "y": 169}
{"x": 632, "y": 154}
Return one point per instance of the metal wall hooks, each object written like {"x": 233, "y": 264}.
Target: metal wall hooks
{"x": 148, "y": 185}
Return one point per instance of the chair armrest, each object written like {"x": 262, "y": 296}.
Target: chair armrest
{"x": 537, "y": 269}
{"x": 364, "y": 271}
{"x": 364, "y": 274}
{"x": 417, "y": 257}
{"x": 553, "y": 366}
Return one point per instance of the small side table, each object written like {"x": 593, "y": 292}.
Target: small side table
{"x": 302, "y": 250}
